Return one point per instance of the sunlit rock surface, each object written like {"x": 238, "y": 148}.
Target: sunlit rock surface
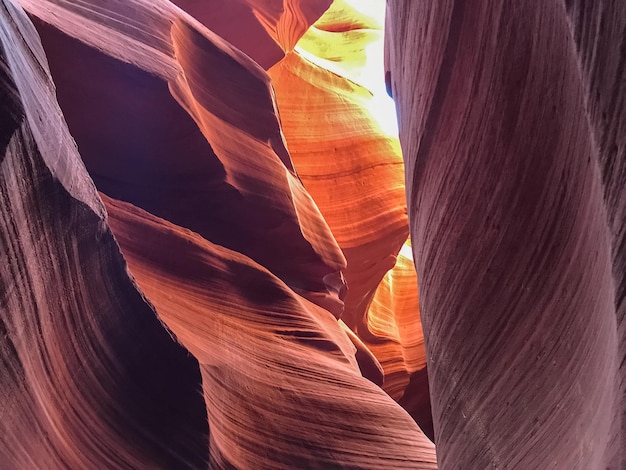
{"x": 223, "y": 240}
{"x": 333, "y": 113}
{"x": 353, "y": 171}
{"x": 513, "y": 131}
{"x": 209, "y": 265}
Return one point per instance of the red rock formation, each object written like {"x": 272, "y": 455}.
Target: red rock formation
{"x": 88, "y": 375}
{"x": 264, "y": 30}
{"x": 218, "y": 166}
{"x": 173, "y": 119}
{"x": 511, "y": 123}
{"x": 394, "y": 326}
{"x": 394, "y": 335}
{"x": 334, "y": 141}
{"x": 280, "y": 381}
{"x": 327, "y": 96}
{"x": 511, "y": 117}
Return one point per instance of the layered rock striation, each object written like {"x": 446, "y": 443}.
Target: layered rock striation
{"x": 512, "y": 127}
{"x": 205, "y": 258}
{"x": 180, "y": 132}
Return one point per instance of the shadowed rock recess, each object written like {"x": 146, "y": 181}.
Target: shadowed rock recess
{"x": 211, "y": 241}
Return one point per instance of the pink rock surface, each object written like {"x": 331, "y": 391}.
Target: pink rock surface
{"x": 211, "y": 332}
{"x": 351, "y": 164}
{"x": 179, "y": 122}
{"x": 281, "y": 384}
{"x": 263, "y": 29}
{"x": 88, "y": 375}
{"x": 514, "y": 151}
{"x": 200, "y": 144}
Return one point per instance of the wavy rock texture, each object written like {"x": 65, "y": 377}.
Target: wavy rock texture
{"x": 88, "y": 375}
{"x": 334, "y": 141}
{"x": 394, "y": 315}
{"x": 513, "y": 132}
{"x": 218, "y": 165}
{"x": 263, "y": 29}
{"x": 182, "y": 130}
{"x": 327, "y": 96}
{"x": 394, "y": 335}
{"x": 277, "y": 370}
{"x": 512, "y": 128}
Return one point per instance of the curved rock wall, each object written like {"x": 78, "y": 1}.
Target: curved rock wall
{"x": 89, "y": 376}
{"x": 220, "y": 234}
{"x": 222, "y": 277}
{"x": 514, "y": 152}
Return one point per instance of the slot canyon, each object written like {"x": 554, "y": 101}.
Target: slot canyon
{"x": 220, "y": 250}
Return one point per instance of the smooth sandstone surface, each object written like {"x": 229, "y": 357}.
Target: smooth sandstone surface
{"x": 263, "y": 29}
{"x": 328, "y": 96}
{"x": 89, "y": 377}
{"x": 205, "y": 150}
{"x": 200, "y": 144}
{"x": 209, "y": 266}
{"x": 281, "y": 384}
{"x": 352, "y": 170}
{"x": 514, "y": 152}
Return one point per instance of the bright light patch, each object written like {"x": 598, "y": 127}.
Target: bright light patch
{"x": 356, "y": 54}
{"x": 407, "y": 251}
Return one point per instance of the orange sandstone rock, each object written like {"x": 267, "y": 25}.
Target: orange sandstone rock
{"x": 280, "y": 381}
